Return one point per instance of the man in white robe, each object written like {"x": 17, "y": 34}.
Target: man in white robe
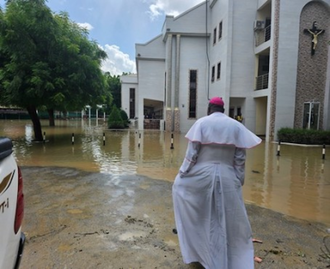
{"x": 210, "y": 215}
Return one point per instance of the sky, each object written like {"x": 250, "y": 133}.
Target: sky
{"x": 117, "y": 25}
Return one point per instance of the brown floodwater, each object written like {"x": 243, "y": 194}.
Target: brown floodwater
{"x": 296, "y": 183}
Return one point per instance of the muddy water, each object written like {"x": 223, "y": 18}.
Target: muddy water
{"x": 296, "y": 183}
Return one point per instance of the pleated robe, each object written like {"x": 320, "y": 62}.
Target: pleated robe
{"x": 210, "y": 215}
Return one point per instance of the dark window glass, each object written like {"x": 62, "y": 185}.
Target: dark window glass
{"x": 165, "y": 89}
{"x": 192, "y": 93}
{"x": 131, "y": 103}
{"x": 214, "y": 35}
{"x": 219, "y": 71}
{"x": 213, "y": 73}
{"x": 220, "y": 30}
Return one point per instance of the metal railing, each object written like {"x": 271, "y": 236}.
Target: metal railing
{"x": 262, "y": 35}
{"x": 262, "y": 82}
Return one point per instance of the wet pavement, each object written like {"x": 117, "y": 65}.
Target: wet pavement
{"x": 78, "y": 219}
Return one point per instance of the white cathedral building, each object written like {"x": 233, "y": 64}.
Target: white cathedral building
{"x": 268, "y": 59}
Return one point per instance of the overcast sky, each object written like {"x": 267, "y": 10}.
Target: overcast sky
{"x": 117, "y": 25}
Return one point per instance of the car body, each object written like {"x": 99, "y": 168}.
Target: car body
{"x": 12, "y": 238}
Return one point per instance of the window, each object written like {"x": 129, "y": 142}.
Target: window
{"x": 220, "y": 30}
{"x": 311, "y": 116}
{"x": 214, "y": 36}
{"x": 219, "y": 71}
{"x": 213, "y": 73}
{"x": 192, "y": 93}
{"x": 232, "y": 112}
{"x": 165, "y": 90}
{"x": 131, "y": 103}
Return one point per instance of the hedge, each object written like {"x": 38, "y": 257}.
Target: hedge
{"x": 304, "y": 136}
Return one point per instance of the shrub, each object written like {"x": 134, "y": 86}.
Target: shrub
{"x": 115, "y": 120}
{"x": 304, "y": 136}
{"x": 124, "y": 116}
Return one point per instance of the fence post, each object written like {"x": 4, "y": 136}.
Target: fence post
{"x": 172, "y": 147}
{"x": 72, "y": 139}
{"x": 279, "y": 149}
{"x": 139, "y": 139}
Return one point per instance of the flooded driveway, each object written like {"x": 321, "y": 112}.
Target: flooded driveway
{"x": 297, "y": 183}
{"x": 103, "y": 199}
{"x": 76, "y": 219}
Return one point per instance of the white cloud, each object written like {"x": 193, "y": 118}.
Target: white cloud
{"x": 117, "y": 61}
{"x": 169, "y": 7}
{"x": 155, "y": 11}
{"x": 86, "y": 26}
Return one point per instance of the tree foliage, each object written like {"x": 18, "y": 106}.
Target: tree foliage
{"x": 47, "y": 60}
{"x": 115, "y": 120}
{"x": 115, "y": 88}
{"x": 124, "y": 116}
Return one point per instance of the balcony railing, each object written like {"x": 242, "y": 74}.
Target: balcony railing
{"x": 263, "y": 35}
{"x": 262, "y": 82}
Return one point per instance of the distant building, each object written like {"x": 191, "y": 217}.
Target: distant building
{"x": 268, "y": 59}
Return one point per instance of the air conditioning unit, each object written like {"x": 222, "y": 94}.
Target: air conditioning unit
{"x": 259, "y": 25}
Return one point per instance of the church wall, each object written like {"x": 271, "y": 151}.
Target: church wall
{"x": 127, "y": 83}
{"x": 219, "y": 52}
{"x": 326, "y": 118}
{"x": 191, "y": 21}
{"x": 290, "y": 53}
{"x": 287, "y": 63}
{"x": 154, "y": 49}
{"x": 312, "y": 69}
{"x": 288, "y": 41}
{"x": 262, "y": 2}
{"x": 151, "y": 84}
{"x": 273, "y": 61}
{"x": 192, "y": 58}
{"x": 261, "y": 112}
{"x": 243, "y": 57}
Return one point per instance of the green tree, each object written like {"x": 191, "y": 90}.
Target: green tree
{"x": 115, "y": 120}
{"x": 79, "y": 65}
{"x": 115, "y": 88}
{"x": 47, "y": 61}
{"x": 124, "y": 116}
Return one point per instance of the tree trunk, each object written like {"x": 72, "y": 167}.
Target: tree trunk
{"x": 51, "y": 117}
{"x": 36, "y": 123}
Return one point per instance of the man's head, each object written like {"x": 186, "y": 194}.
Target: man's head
{"x": 216, "y": 104}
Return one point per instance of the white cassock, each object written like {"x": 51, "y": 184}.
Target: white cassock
{"x": 210, "y": 215}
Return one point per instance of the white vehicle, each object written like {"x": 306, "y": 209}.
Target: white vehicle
{"x": 12, "y": 239}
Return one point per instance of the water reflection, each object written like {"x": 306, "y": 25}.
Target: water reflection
{"x": 296, "y": 183}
